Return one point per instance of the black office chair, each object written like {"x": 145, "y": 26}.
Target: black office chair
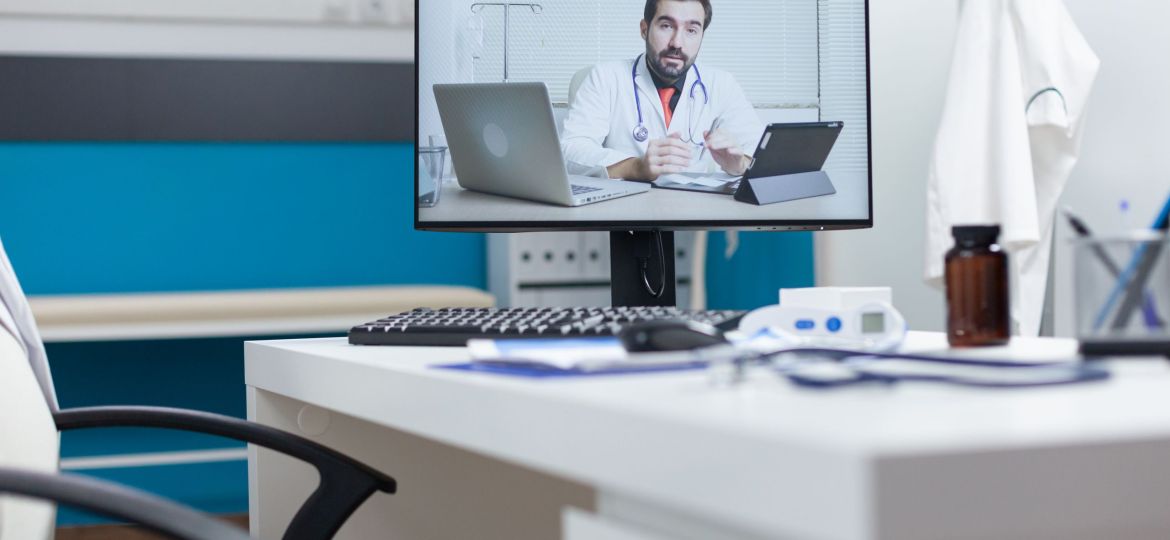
{"x": 344, "y": 483}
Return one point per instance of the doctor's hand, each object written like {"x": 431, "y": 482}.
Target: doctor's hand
{"x": 665, "y": 156}
{"x": 725, "y": 150}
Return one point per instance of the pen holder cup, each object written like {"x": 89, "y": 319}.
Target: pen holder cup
{"x": 1122, "y": 289}
{"x": 431, "y": 168}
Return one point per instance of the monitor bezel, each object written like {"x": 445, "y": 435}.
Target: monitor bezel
{"x": 673, "y": 225}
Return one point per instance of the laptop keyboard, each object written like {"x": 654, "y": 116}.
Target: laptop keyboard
{"x": 581, "y": 190}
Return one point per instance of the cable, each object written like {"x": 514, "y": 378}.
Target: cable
{"x": 661, "y": 269}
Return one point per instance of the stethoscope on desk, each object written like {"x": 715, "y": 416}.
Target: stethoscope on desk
{"x": 838, "y": 368}
{"x": 821, "y": 368}
{"x": 641, "y": 133}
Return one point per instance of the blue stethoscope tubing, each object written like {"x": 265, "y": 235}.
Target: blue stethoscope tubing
{"x": 640, "y": 131}
{"x": 1078, "y": 373}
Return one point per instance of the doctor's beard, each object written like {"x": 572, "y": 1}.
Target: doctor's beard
{"x": 665, "y": 71}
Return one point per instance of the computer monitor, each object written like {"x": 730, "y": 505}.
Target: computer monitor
{"x": 640, "y": 118}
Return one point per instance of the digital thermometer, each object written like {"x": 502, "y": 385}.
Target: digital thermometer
{"x": 873, "y": 327}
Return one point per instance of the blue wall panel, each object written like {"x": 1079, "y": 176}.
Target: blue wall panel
{"x": 219, "y": 488}
{"x": 96, "y": 218}
{"x": 763, "y": 263}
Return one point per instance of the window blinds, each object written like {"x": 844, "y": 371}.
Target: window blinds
{"x": 785, "y": 54}
{"x": 770, "y": 47}
{"x": 843, "y": 80}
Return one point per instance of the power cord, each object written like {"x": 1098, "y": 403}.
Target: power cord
{"x": 645, "y": 262}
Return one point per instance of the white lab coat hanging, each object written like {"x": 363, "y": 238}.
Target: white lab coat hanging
{"x": 1009, "y": 136}
{"x": 602, "y": 127}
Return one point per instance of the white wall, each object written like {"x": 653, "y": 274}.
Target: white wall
{"x": 378, "y": 12}
{"x": 1124, "y": 153}
{"x": 344, "y": 30}
{"x": 910, "y": 48}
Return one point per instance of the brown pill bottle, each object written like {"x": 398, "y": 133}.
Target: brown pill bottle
{"x": 976, "y": 273}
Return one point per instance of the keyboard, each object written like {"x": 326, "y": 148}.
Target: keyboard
{"x": 580, "y": 190}
{"x": 454, "y": 326}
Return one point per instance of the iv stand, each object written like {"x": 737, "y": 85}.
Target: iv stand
{"x": 478, "y": 7}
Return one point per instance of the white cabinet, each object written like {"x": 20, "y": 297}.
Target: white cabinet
{"x": 552, "y": 269}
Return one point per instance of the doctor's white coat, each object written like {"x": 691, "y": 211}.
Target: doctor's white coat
{"x": 17, "y": 319}
{"x": 599, "y": 128}
{"x": 1009, "y": 136}
{"x": 28, "y": 436}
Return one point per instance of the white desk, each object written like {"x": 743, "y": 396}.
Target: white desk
{"x": 669, "y": 456}
{"x": 657, "y": 205}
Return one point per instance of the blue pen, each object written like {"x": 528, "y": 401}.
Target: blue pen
{"x": 1149, "y": 310}
{"x": 1139, "y": 268}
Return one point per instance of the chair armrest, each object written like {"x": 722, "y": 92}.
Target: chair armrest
{"x": 118, "y": 502}
{"x": 344, "y": 482}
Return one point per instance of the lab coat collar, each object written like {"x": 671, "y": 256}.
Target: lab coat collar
{"x": 650, "y": 99}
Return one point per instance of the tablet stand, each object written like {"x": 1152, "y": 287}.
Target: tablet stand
{"x": 785, "y": 187}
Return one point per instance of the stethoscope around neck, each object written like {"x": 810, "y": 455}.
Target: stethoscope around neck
{"x": 640, "y": 131}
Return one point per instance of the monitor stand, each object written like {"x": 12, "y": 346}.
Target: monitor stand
{"x": 628, "y": 252}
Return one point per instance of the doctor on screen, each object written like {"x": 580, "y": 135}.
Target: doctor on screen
{"x": 661, "y": 112}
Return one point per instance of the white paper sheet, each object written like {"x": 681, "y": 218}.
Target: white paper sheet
{"x": 711, "y": 181}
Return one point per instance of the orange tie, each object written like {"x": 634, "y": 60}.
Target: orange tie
{"x": 665, "y": 94}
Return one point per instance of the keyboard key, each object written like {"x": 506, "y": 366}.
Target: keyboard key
{"x": 438, "y": 329}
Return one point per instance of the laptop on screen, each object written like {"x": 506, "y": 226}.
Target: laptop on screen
{"x": 503, "y": 140}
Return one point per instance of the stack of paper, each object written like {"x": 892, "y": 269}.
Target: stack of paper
{"x": 711, "y": 181}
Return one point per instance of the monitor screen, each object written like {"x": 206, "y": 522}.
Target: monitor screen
{"x": 633, "y": 114}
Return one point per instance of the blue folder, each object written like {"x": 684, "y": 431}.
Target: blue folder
{"x": 545, "y": 372}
